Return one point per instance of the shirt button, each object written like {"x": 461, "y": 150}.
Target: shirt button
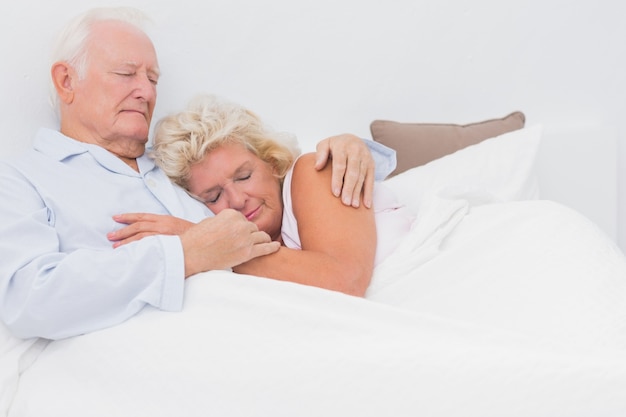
{"x": 151, "y": 183}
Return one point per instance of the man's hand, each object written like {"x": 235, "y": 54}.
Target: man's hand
{"x": 353, "y": 168}
{"x": 224, "y": 241}
{"x": 219, "y": 242}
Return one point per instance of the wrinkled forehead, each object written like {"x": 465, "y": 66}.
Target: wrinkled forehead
{"x": 123, "y": 42}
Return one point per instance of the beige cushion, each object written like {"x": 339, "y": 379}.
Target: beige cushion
{"x": 419, "y": 143}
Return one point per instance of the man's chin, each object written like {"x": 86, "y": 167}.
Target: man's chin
{"x": 136, "y": 144}
{"x": 135, "y": 124}
{"x": 138, "y": 135}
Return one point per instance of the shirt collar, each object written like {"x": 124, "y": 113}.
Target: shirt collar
{"x": 58, "y": 146}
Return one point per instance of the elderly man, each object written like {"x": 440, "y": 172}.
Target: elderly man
{"x": 59, "y": 274}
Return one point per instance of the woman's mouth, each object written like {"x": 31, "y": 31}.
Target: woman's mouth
{"x": 251, "y": 215}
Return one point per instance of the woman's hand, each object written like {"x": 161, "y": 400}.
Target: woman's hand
{"x": 353, "y": 168}
{"x": 140, "y": 225}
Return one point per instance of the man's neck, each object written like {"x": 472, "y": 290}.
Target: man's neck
{"x": 128, "y": 150}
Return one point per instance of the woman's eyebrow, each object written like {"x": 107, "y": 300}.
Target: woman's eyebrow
{"x": 247, "y": 165}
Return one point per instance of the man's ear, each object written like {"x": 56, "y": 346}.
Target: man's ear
{"x": 63, "y": 78}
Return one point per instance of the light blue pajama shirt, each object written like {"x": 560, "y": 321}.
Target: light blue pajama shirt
{"x": 59, "y": 275}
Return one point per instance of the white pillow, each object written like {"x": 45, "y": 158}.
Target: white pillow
{"x": 499, "y": 169}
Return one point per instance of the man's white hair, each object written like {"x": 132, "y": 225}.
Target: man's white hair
{"x": 71, "y": 44}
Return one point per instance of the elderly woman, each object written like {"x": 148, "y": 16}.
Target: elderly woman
{"x": 227, "y": 158}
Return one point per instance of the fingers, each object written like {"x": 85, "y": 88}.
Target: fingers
{"x": 337, "y": 150}
{"x": 262, "y": 245}
{"x": 352, "y": 168}
{"x": 368, "y": 187}
{"x": 358, "y": 178}
{"x": 133, "y": 238}
{"x": 125, "y": 232}
{"x": 224, "y": 241}
{"x": 323, "y": 154}
{"x": 140, "y": 225}
{"x": 131, "y": 233}
{"x": 340, "y": 181}
{"x": 263, "y": 249}
{"x": 258, "y": 236}
{"x": 128, "y": 218}
{"x": 352, "y": 183}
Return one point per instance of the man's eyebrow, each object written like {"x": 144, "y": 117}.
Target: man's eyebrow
{"x": 154, "y": 71}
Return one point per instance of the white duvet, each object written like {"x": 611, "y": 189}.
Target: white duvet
{"x": 515, "y": 309}
{"x": 487, "y": 309}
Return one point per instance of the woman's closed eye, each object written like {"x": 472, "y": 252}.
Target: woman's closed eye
{"x": 212, "y": 198}
{"x": 243, "y": 177}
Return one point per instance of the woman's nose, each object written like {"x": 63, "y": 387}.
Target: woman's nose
{"x": 236, "y": 198}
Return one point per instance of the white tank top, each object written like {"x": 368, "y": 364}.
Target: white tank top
{"x": 393, "y": 220}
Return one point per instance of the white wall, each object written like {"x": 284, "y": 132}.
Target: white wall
{"x": 319, "y": 67}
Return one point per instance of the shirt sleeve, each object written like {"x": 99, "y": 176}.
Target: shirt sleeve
{"x": 51, "y": 293}
{"x": 58, "y": 295}
{"x": 384, "y": 157}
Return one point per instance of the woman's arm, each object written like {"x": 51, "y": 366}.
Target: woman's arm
{"x": 338, "y": 241}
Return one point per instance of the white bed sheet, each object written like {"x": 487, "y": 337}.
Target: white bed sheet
{"x": 510, "y": 309}
{"x": 533, "y": 267}
{"x": 490, "y": 307}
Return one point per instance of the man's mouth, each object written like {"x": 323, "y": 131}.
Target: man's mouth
{"x": 141, "y": 112}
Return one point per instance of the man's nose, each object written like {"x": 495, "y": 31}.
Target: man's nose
{"x": 145, "y": 87}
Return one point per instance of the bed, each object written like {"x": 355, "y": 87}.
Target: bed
{"x": 500, "y": 302}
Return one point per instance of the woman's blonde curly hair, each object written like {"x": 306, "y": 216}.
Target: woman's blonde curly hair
{"x": 183, "y": 139}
